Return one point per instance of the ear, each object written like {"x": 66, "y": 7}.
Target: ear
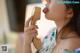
{"x": 69, "y": 13}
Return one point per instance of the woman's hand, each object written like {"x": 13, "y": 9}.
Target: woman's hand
{"x": 30, "y": 31}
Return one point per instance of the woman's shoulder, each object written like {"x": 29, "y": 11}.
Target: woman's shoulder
{"x": 69, "y": 44}
{"x": 72, "y": 43}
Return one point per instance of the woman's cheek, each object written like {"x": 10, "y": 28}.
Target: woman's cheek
{"x": 50, "y": 16}
{"x": 58, "y": 12}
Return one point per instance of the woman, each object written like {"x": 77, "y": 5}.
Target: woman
{"x": 67, "y": 19}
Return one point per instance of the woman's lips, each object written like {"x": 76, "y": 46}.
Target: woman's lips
{"x": 45, "y": 10}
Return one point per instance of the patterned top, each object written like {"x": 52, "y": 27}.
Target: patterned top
{"x": 48, "y": 42}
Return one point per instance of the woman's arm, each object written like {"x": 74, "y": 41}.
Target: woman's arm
{"x": 67, "y": 45}
{"x": 23, "y": 47}
{"x": 30, "y": 31}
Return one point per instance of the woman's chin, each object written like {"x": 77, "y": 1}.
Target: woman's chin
{"x": 47, "y": 17}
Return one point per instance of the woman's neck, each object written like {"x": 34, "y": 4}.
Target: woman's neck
{"x": 62, "y": 28}
{"x": 64, "y": 32}
{"x": 61, "y": 23}
{"x": 59, "y": 26}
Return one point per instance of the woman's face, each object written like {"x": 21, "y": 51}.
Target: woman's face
{"x": 57, "y": 12}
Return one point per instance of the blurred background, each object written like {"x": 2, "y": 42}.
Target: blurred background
{"x": 13, "y": 14}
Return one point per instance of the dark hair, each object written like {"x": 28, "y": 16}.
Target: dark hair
{"x": 74, "y": 23}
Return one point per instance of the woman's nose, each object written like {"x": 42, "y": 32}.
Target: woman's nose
{"x": 45, "y": 10}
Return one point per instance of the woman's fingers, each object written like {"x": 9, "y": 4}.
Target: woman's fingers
{"x": 30, "y": 27}
{"x": 33, "y": 32}
{"x": 28, "y": 22}
{"x": 30, "y": 30}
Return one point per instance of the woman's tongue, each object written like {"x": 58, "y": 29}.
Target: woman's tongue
{"x": 45, "y": 10}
